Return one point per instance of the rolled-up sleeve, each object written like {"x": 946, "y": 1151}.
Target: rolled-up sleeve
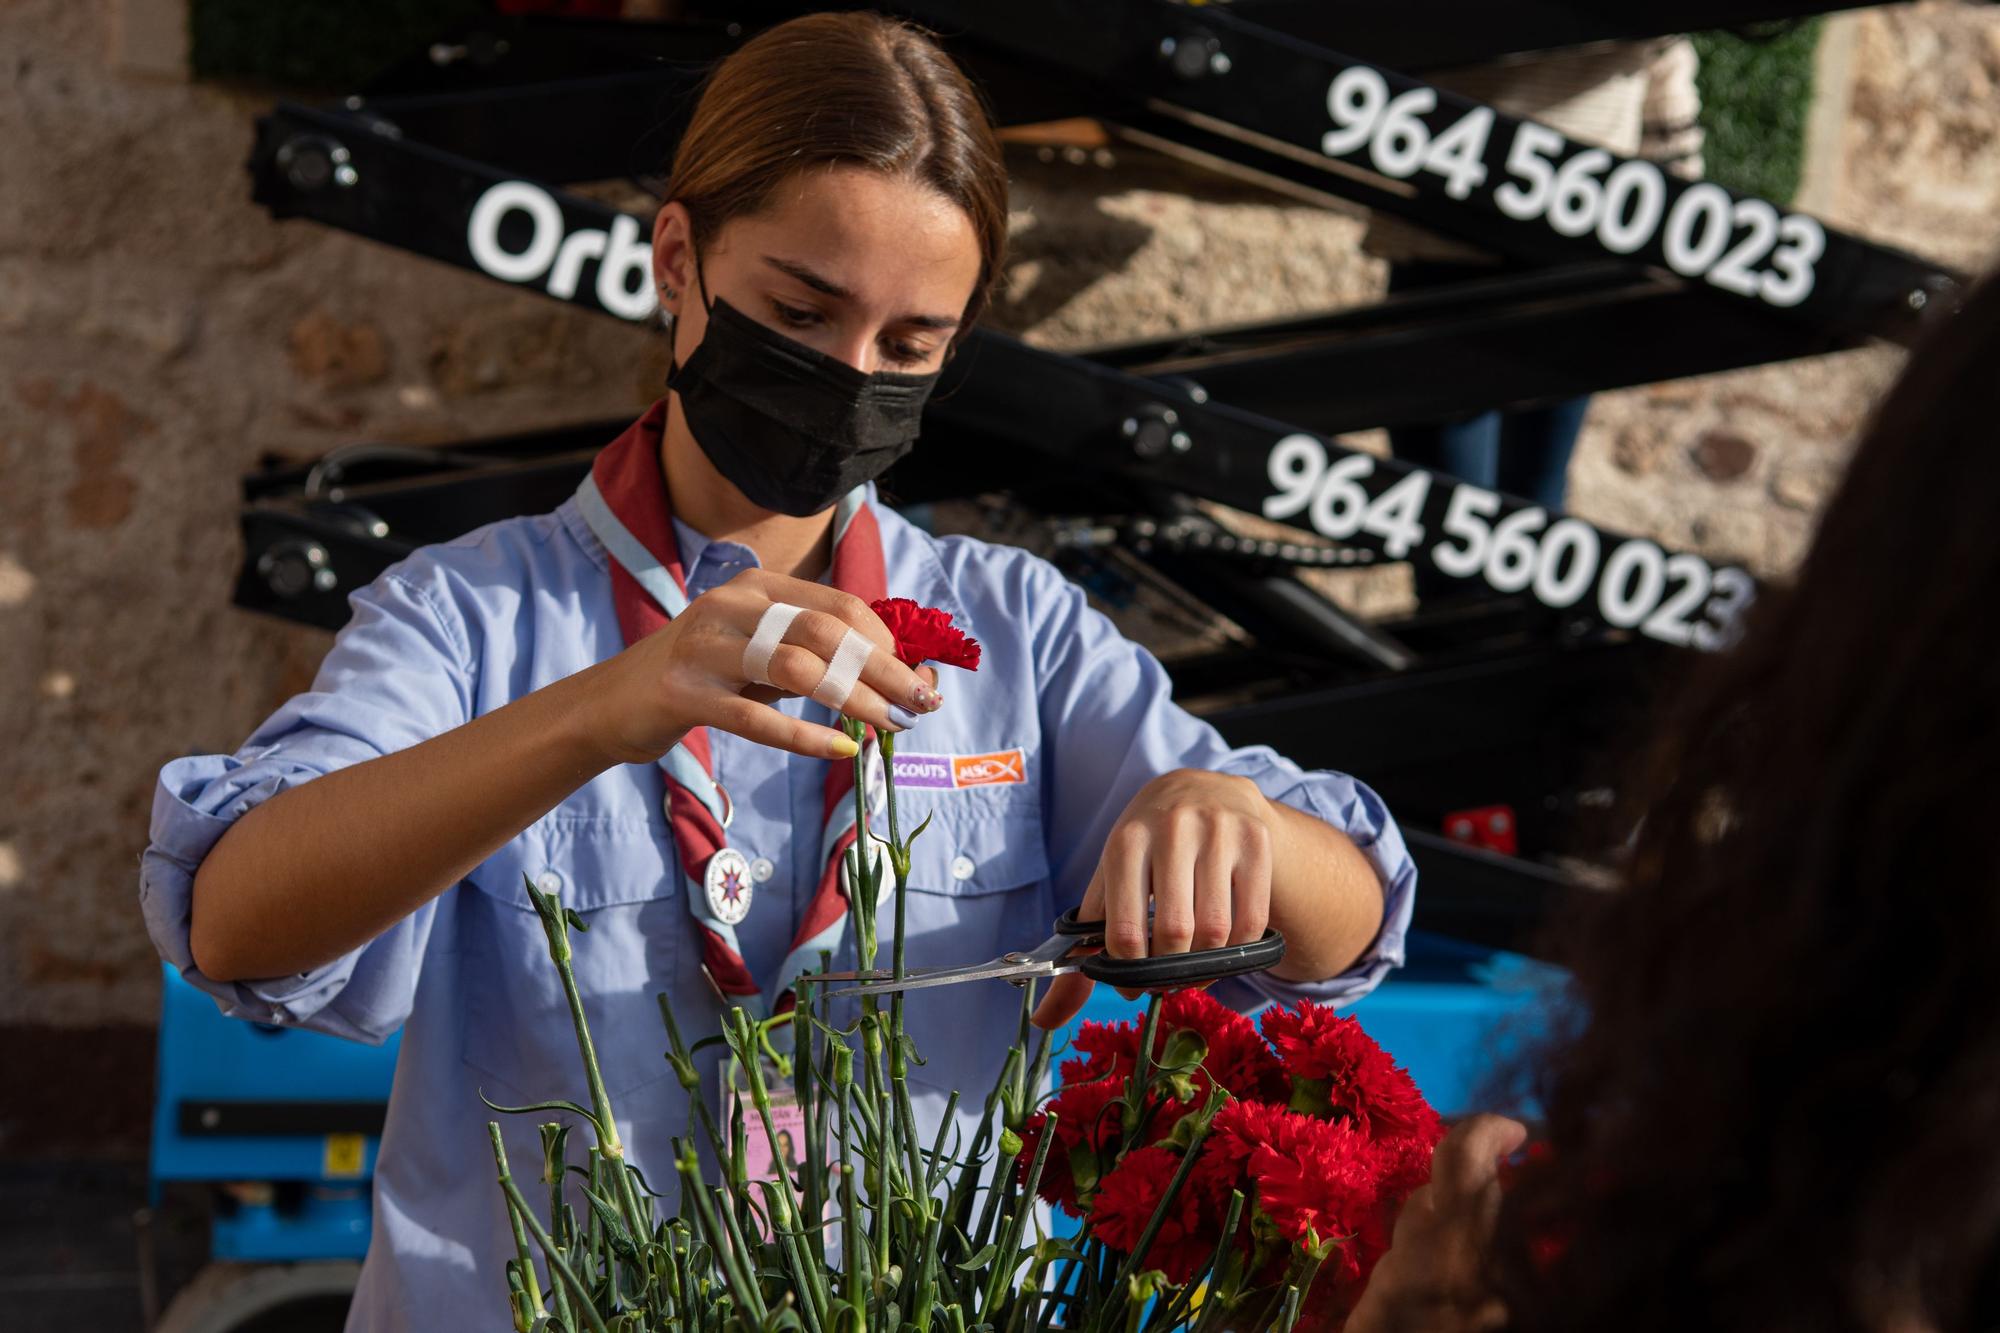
{"x": 397, "y": 673}
{"x": 1110, "y": 725}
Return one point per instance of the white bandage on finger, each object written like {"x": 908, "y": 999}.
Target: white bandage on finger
{"x": 844, "y": 670}
{"x": 771, "y": 627}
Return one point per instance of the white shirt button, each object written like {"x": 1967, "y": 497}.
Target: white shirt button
{"x": 549, "y": 881}
{"x": 962, "y": 867}
{"x": 761, "y": 869}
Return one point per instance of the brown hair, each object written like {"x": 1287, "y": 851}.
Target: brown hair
{"x": 852, "y": 88}
{"x": 1774, "y": 1103}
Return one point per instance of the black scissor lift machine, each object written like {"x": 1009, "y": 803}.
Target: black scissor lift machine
{"x": 1514, "y": 697}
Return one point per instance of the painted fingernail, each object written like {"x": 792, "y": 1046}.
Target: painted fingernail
{"x": 925, "y": 697}
{"x": 844, "y": 748}
{"x": 902, "y": 717}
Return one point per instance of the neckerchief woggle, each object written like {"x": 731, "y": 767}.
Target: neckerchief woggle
{"x": 624, "y": 500}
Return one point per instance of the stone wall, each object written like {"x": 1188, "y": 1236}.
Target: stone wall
{"x": 159, "y": 335}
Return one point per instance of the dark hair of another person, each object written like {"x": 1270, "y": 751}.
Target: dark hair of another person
{"x": 842, "y": 89}
{"x": 1780, "y": 1105}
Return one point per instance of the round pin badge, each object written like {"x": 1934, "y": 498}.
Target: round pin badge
{"x": 727, "y": 880}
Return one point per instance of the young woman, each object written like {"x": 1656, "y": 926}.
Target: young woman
{"x": 1778, "y": 1110}
{"x": 598, "y": 699}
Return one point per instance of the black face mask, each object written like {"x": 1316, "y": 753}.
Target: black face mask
{"x": 792, "y": 428}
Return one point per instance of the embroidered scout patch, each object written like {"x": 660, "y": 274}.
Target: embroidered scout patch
{"x": 949, "y": 772}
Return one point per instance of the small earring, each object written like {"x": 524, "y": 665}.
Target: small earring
{"x": 668, "y": 292}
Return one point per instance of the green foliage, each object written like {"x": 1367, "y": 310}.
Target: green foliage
{"x": 873, "y": 1228}
{"x": 329, "y": 45}
{"x": 1756, "y": 91}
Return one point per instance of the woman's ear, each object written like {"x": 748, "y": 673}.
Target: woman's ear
{"x": 673, "y": 256}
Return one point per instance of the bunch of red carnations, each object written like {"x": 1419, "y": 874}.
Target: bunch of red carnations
{"x": 1237, "y": 1180}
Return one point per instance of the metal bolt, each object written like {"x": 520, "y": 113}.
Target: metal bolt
{"x": 1193, "y": 56}
{"x": 345, "y": 175}
{"x": 309, "y": 161}
{"x": 1181, "y": 441}
{"x": 1219, "y": 64}
{"x": 1918, "y": 298}
{"x": 1151, "y": 430}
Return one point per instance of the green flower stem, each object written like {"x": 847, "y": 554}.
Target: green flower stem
{"x": 1142, "y": 1074}
{"x": 807, "y": 1287}
{"x": 555, "y": 924}
{"x": 866, "y": 881}
{"x": 682, "y": 1061}
{"x": 521, "y": 1213}
{"x": 1003, "y": 1266}
{"x": 855, "y": 1290}
{"x": 723, "y": 1238}
{"x": 811, "y": 1104}
{"x": 529, "y": 1305}
{"x": 899, "y": 861}
{"x": 555, "y": 1166}
{"x": 788, "y": 1217}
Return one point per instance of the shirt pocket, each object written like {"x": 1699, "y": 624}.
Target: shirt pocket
{"x": 979, "y": 888}
{"x": 621, "y": 878}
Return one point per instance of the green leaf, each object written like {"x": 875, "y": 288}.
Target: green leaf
{"x": 1185, "y": 1050}
{"x": 557, "y": 1105}
{"x": 1083, "y": 1167}
{"x": 916, "y": 832}
{"x": 910, "y": 1050}
{"x": 607, "y": 1217}
{"x": 980, "y": 1260}
{"x": 1312, "y": 1096}
{"x": 570, "y": 915}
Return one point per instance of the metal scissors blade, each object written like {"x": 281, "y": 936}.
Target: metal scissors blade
{"x": 1049, "y": 958}
{"x": 1070, "y": 949}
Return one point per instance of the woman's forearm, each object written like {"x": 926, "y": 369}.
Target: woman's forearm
{"x": 324, "y": 867}
{"x": 1325, "y": 896}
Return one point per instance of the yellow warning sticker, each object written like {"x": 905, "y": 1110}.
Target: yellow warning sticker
{"x": 345, "y": 1154}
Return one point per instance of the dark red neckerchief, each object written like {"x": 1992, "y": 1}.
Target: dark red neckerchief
{"x": 628, "y": 477}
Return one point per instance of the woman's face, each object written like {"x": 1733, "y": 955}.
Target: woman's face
{"x": 869, "y": 268}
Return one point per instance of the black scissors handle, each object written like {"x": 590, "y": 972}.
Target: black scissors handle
{"x": 1173, "y": 969}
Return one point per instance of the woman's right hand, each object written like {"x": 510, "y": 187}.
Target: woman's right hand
{"x": 690, "y": 674}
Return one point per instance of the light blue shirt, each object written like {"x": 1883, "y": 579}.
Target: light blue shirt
{"x": 461, "y": 628}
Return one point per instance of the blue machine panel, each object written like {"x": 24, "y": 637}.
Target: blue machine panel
{"x": 206, "y": 1058}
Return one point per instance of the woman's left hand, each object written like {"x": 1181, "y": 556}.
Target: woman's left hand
{"x": 1432, "y": 1280}
{"x": 1194, "y": 848}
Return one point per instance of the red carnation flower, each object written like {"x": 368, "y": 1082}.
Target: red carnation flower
{"x": 1087, "y": 1133}
{"x": 926, "y": 634}
{"x": 1237, "y": 1058}
{"x": 1126, "y": 1201}
{"x": 1338, "y": 1069}
{"x": 1310, "y": 1175}
{"x": 1107, "y": 1050}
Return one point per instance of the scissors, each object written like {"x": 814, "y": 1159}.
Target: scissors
{"x": 1068, "y": 950}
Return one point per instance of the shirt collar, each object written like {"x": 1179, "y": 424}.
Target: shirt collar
{"x": 707, "y": 563}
